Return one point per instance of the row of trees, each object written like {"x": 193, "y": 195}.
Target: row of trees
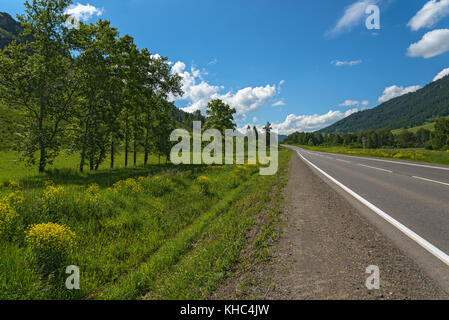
{"x": 382, "y": 138}
{"x": 87, "y": 88}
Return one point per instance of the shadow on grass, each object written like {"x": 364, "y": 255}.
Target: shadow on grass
{"x": 106, "y": 177}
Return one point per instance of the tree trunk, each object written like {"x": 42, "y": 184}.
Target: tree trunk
{"x": 135, "y": 152}
{"x": 112, "y": 153}
{"x": 43, "y": 159}
{"x": 145, "y": 159}
{"x": 126, "y": 143}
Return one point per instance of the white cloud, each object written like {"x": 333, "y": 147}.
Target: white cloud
{"x": 310, "y": 123}
{"x": 83, "y": 12}
{"x": 353, "y": 103}
{"x": 199, "y": 93}
{"x": 338, "y": 63}
{"x": 432, "y": 12}
{"x": 349, "y": 103}
{"x": 353, "y": 16}
{"x": 441, "y": 75}
{"x": 433, "y": 43}
{"x": 395, "y": 91}
{"x": 279, "y": 103}
{"x": 281, "y": 82}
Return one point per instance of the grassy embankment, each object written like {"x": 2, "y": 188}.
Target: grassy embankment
{"x": 165, "y": 232}
{"x": 412, "y": 154}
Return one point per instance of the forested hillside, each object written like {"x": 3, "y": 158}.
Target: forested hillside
{"x": 9, "y": 29}
{"x": 410, "y": 110}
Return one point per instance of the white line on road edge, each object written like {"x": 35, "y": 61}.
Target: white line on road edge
{"x": 409, "y": 233}
{"x": 363, "y": 165}
{"x": 429, "y": 180}
{"x": 390, "y": 161}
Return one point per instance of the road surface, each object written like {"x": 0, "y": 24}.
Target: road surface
{"x": 409, "y": 202}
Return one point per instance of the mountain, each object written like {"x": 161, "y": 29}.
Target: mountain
{"x": 9, "y": 29}
{"x": 410, "y": 110}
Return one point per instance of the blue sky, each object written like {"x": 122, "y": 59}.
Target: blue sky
{"x": 286, "y": 61}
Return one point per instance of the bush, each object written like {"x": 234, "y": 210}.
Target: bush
{"x": 8, "y": 213}
{"x": 52, "y": 243}
{"x": 204, "y": 183}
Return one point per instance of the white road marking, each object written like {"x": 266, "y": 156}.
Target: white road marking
{"x": 429, "y": 180}
{"x": 409, "y": 233}
{"x": 395, "y": 162}
{"x": 362, "y": 165}
{"x": 341, "y": 160}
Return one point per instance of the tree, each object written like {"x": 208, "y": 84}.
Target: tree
{"x": 405, "y": 139}
{"x": 221, "y": 116}
{"x": 95, "y": 111}
{"x": 37, "y": 78}
{"x": 267, "y": 130}
{"x": 441, "y": 136}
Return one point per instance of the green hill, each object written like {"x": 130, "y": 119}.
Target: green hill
{"x": 9, "y": 29}
{"x": 410, "y": 110}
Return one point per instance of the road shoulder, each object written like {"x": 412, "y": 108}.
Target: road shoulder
{"x": 324, "y": 249}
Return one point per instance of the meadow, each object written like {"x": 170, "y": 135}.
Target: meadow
{"x": 154, "y": 232}
{"x": 410, "y": 154}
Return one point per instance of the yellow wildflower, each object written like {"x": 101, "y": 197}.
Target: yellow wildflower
{"x": 50, "y": 236}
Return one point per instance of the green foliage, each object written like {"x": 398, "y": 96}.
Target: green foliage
{"x": 221, "y": 116}
{"x": 125, "y": 219}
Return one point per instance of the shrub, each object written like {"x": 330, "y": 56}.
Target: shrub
{"x": 204, "y": 183}
{"x": 53, "y": 200}
{"x": 127, "y": 186}
{"x": 8, "y": 212}
{"x": 7, "y": 216}
{"x": 51, "y": 242}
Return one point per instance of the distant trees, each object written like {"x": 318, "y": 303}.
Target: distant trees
{"x": 381, "y": 138}
{"x": 440, "y": 138}
{"x": 88, "y": 89}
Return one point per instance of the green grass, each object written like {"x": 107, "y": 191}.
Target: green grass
{"x": 412, "y": 154}
{"x": 429, "y": 126}
{"x": 168, "y": 233}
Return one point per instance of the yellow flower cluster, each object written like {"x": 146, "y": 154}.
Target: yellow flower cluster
{"x": 52, "y": 192}
{"x": 128, "y": 184}
{"x": 50, "y": 236}
{"x": 14, "y": 185}
{"x": 7, "y": 214}
{"x": 203, "y": 180}
{"x": 92, "y": 193}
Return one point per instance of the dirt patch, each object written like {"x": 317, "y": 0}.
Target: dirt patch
{"x": 324, "y": 250}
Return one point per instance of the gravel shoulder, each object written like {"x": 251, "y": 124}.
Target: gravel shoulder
{"x": 323, "y": 251}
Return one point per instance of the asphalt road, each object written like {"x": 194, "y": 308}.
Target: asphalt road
{"x": 412, "y": 195}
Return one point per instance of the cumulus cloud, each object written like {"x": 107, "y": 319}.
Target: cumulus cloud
{"x": 395, "y": 91}
{"x": 83, "y": 12}
{"x": 432, "y": 12}
{"x": 441, "y": 75}
{"x": 310, "y": 123}
{"x": 279, "y": 103}
{"x": 338, "y": 63}
{"x": 199, "y": 93}
{"x": 352, "y": 16}
{"x": 353, "y": 103}
{"x": 432, "y": 44}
